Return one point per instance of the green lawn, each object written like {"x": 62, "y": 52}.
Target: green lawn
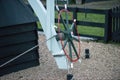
{"x": 85, "y": 29}
{"x": 91, "y": 30}
{"x": 91, "y": 18}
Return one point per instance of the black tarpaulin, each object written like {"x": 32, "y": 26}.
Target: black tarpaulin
{"x": 13, "y": 12}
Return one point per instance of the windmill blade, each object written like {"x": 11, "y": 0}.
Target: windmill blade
{"x": 46, "y": 18}
{"x": 65, "y": 43}
{"x": 61, "y": 17}
{"x": 74, "y": 49}
{"x": 70, "y": 49}
{"x": 63, "y": 22}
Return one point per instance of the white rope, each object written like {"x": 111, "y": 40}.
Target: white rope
{"x": 18, "y": 56}
{"x": 9, "y": 61}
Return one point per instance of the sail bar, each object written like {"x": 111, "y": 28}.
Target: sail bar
{"x": 50, "y": 27}
{"x": 40, "y": 11}
{"x": 46, "y": 18}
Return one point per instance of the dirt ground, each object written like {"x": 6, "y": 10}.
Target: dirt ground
{"x": 104, "y": 64}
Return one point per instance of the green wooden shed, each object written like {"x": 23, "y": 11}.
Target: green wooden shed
{"x": 18, "y": 33}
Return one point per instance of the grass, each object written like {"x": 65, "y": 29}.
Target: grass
{"x": 39, "y": 25}
{"x": 63, "y": 15}
{"x": 91, "y": 31}
{"x": 91, "y": 17}
{"x": 96, "y": 31}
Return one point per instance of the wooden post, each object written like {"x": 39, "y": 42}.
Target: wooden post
{"x": 108, "y": 26}
{"x": 75, "y": 17}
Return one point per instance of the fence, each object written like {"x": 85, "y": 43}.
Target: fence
{"x": 115, "y": 24}
{"x": 111, "y": 25}
{"x": 87, "y": 1}
{"x": 105, "y": 25}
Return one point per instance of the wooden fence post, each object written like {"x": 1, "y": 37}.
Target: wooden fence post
{"x": 75, "y": 17}
{"x": 116, "y": 24}
{"x": 108, "y": 26}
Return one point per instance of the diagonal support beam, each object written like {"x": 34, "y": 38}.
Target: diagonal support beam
{"x": 46, "y": 18}
{"x": 40, "y": 11}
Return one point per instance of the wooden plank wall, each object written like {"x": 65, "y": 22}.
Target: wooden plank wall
{"x": 14, "y": 40}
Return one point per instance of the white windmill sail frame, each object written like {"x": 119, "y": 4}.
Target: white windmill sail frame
{"x": 47, "y": 20}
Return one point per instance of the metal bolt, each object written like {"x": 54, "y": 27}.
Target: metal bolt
{"x": 87, "y": 54}
{"x": 69, "y": 77}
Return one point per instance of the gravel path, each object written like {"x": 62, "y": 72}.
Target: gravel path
{"x": 104, "y": 64}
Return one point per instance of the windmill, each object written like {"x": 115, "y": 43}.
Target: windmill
{"x": 57, "y": 42}
{"x": 63, "y": 41}
{"x": 46, "y": 18}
